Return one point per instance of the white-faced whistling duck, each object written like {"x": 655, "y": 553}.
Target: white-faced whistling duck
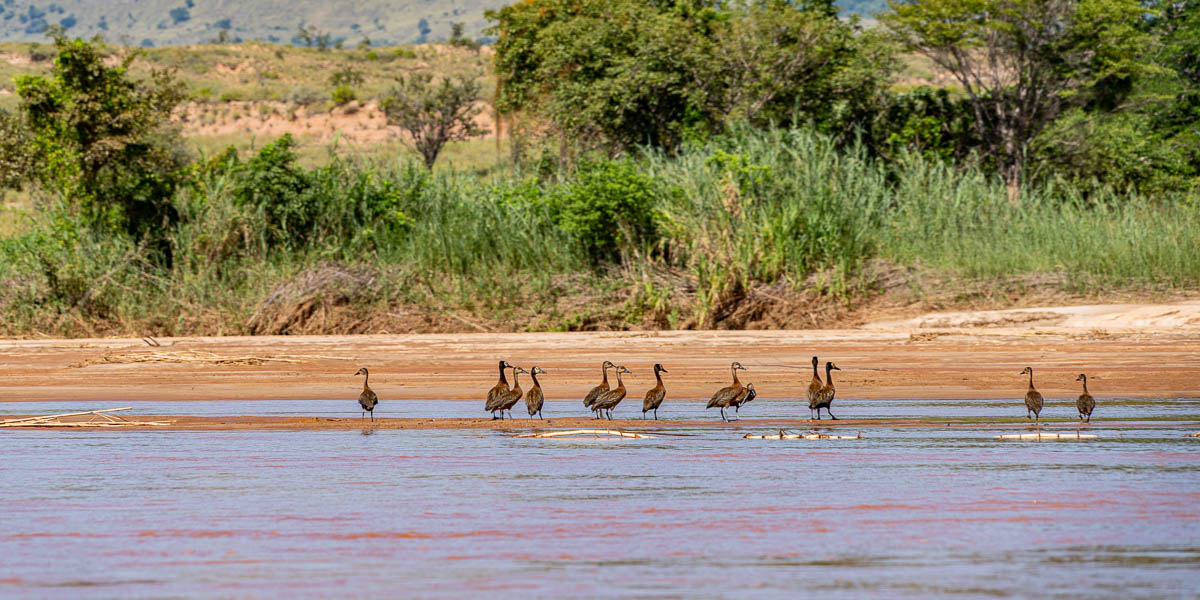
{"x": 590, "y": 399}
{"x": 814, "y": 390}
{"x": 726, "y": 395}
{"x": 497, "y": 391}
{"x": 748, "y": 395}
{"x": 654, "y": 397}
{"x": 1033, "y": 398}
{"x": 825, "y": 396}
{"x": 1086, "y": 402}
{"x": 534, "y": 398}
{"x": 610, "y": 399}
{"x": 513, "y": 396}
{"x": 367, "y": 399}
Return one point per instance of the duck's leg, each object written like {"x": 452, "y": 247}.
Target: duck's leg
{"x": 656, "y": 414}
{"x": 827, "y": 409}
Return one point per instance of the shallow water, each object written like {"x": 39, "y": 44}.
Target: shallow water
{"x": 913, "y": 512}
{"x": 689, "y": 409}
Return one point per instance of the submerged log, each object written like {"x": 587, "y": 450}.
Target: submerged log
{"x": 592, "y": 432}
{"x": 783, "y": 435}
{"x": 1046, "y": 436}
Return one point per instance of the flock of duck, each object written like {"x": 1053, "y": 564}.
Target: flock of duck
{"x": 603, "y": 398}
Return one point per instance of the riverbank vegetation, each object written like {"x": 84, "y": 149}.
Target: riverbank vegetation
{"x": 645, "y": 188}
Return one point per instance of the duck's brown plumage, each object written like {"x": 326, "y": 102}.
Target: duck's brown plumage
{"x": 534, "y": 398}
{"x": 814, "y": 388}
{"x": 367, "y": 399}
{"x": 747, "y": 396}
{"x": 590, "y": 399}
{"x": 724, "y": 396}
{"x": 610, "y": 399}
{"x": 828, "y": 391}
{"x": 510, "y": 399}
{"x": 1033, "y": 398}
{"x": 1085, "y": 403}
{"x": 654, "y": 397}
{"x": 497, "y": 391}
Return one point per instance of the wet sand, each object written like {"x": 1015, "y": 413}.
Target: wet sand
{"x": 521, "y": 425}
{"x": 951, "y": 363}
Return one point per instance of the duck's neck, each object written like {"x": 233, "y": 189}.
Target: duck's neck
{"x": 620, "y": 384}
{"x": 1031, "y": 379}
{"x": 829, "y": 375}
{"x": 736, "y": 383}
{"x": 516, "y": 377}
{"x": 658, "y": 377}
{"x": 503, "y": 380}
{"x": 366, "y": 377}
{"x": 1085, "y": 384}
{"x": 533, "y": 376}
{"x": 816, "y": 375}
{"x": 605, "y": 381}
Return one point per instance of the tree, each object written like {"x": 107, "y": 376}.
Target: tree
{"x": 631, "y": 72}
{"x": 1021, "y": 63}
{"x": 102, "y": 141}
{"x": 434, "y": 114}
{"x": 460, "y": 40}
{"x": 15, "y": 158}
{"x": 780, "y": 61}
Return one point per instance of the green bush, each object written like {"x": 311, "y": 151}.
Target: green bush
{"x": 342, "y": 94}
{"x": 295, "y": 208}
{"x": 609, "y": 208}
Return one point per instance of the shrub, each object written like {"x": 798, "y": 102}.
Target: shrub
{"x": 293, "y": 208}
{"x": 342, "y": 94}
{"x": 609, "y": 208}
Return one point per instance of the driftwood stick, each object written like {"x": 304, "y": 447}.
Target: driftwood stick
{"x": 78, "y": 414}
{"x": 594, "y": 432}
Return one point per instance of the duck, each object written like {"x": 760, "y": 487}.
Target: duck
{"x": 825, "y": 396}
{"x": 654, "y": 397}
{"x": 367, "y": 399}
{"x": 814, "y": 390}
{"x": 1033, "y": 398}
{"x": 510, "y": 399}
{"x": 747, "y": 396}
{"x": 534, "y": 398}
{"x": 498, "y": 390}
{"x": 590, "y": 399}
{"x": 724, "y": 396}
{"x": 610, "y": 399}
{"x": 1085, "y": 403}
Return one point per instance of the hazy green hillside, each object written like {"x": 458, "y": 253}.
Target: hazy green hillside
{"x": 164, "y": 22}
{"x": 167, "y": 22}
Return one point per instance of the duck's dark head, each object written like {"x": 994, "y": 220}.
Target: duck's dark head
{"x": 361, "y": 371}
{"x": 658, "y": 368}
{"x": 737, "y": 366}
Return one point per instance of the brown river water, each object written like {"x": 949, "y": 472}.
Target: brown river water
{"x": 913, "y": 512}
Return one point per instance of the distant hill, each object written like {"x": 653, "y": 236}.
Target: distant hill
{"x": 174, "y": 22}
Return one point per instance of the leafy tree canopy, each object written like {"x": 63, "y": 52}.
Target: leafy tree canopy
{"x": 101, "y": 141}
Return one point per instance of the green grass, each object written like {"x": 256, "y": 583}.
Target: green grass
{"x": 490, "y": 245}
{"x": 961, "y": 222}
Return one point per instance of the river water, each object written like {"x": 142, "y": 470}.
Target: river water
{"x": 902, "y": 513}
